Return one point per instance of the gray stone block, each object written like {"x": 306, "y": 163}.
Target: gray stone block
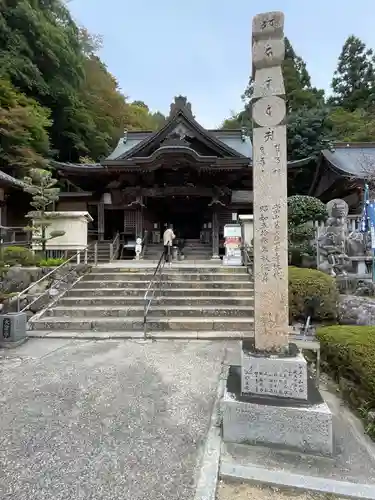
{"x": 281, "y": 376}
{"x": 304, "y": 428}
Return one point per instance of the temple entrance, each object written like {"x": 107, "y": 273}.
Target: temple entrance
{"x": 187, "y": 215}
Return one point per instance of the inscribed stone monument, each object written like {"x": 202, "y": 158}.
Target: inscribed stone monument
{"x": 272, "y": 400}
{"x": 270, "y": 185}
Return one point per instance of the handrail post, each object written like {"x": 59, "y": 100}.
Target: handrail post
{"x": 96, "y": 253}
{"x": 85, "y": 256}
{"x": 111, "y": 252}
{"x": 78, "y": 257}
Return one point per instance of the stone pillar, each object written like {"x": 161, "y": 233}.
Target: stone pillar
{"x": 270, "y": 185}
{"x": 215, "y": 234}
{"x": 271, "y": 400}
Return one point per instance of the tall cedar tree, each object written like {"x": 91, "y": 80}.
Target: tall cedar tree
{"x": 353, "y": 83}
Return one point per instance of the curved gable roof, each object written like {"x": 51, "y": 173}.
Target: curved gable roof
{"x": 181, "y": 115}
{"x": 355, "y": 159}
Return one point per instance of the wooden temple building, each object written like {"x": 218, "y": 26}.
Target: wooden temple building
{"x": 196, "y": 179}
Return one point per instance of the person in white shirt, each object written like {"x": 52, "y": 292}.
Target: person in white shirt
{"x": 168, "y": 238}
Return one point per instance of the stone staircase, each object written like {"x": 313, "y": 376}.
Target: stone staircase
{"x": 194, "y": 250}
{"x": 197, "y": 302}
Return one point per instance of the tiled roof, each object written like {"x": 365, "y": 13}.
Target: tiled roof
{"x": 231, "y": 138}
{"x": 12, "y": 181}
{"x": 353, "y": 159}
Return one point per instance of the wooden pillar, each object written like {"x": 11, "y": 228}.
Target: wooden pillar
{"x": 101, "y": 224}
{"x": 215, "y": 234}
{"x": 139, "y": 223}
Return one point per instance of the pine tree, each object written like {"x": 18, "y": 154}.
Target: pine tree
{"x": 353, "y": 83}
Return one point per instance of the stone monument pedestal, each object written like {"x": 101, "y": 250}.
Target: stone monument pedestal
{"x": 273, "y": 401}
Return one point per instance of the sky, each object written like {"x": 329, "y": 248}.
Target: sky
{"x": 201, "y": 48}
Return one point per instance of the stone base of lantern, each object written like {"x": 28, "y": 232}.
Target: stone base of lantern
{"x": 272, "y": 401}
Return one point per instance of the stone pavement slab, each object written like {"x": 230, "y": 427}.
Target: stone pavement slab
{"x": 105, "y": 420}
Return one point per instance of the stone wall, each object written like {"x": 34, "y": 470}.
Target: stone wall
{"x": 354, "y": 310}
{"x": 17, "y": 278}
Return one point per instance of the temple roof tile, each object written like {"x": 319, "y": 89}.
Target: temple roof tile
{"x": 353, "y": 159}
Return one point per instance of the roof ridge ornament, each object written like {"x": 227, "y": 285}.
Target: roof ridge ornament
{"x": 180, "y": 103}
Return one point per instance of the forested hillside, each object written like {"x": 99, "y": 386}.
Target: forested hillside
{"x": 57, "y": 98}
{"x": 315, "y": 120}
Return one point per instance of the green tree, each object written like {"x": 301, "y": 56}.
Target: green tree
{"x": 309, "y": 131}
{"x": 40, "y": 51}
{"x": 42, "y": 187}
{"x": 353, "y": 83}
{"x": 352, "y": 126}
{"x": 307, "y": 120}
{"x": 24, "y": 128}
{"x": 302, "y": 211}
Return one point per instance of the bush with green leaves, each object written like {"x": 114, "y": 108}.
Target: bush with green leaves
{"x": 51, "y": 262}
{"x": 314, "y": 293}
{"x": 18, "y": 256}
{"x": 348, "y": 354}
{"x": 302, "y": 211}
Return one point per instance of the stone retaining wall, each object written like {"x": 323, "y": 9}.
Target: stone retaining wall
{"x": 17, "y": 278}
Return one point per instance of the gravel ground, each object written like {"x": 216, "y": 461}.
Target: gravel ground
{"x": 227, "y": 491}
{"x": 105, "y": 420}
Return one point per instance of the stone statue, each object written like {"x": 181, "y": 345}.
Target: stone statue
{"x": 332, "y": 248}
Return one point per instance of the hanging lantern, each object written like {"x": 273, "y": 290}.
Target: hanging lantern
{"x": 107, "y": 198}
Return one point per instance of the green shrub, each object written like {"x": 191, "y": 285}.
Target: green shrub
{"x": 51, "y": 262}
{"x": 348, "y": 353}
{"x": 309, "y": 287}
{"x": 21, "y": 256}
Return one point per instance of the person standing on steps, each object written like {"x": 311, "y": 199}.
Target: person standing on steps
{"x": 168, "y": 238}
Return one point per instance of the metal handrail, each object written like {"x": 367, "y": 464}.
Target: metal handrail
{"x": 76, "y": 256}
{"x": 151, "y": 288}
{"x": 144, "y": 243}
{"x": 114, "y": 247}
{"x": 248, "y": 257}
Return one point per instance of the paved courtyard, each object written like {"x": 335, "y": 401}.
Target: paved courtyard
{"x": 105, "y": 420}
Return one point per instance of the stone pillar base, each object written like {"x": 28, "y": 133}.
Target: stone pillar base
{"x": 282, "y": 375}
{"x": 294, "y": 424}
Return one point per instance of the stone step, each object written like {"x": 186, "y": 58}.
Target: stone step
{"x": 120, "y": 300}
{"x": 134, "y": 283}
{"x": 136, "y": 323}
{"x": 156, "y": 310}
{"x": 176, "y": 268}
{"x": 171, "y": 292}
{"x": 192, "y": 261}
{"x": 175, "y": 276}
{"x": 139, "y": 334}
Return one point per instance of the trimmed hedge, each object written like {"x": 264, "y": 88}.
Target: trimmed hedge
{"x": 309, "y": 287}
{"x": 348, "y": 354}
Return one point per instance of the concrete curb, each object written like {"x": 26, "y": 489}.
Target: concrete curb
{"x": 277, "y": 478}
{"x": 209, "y": 472}
{"x": 183, "y": 335}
